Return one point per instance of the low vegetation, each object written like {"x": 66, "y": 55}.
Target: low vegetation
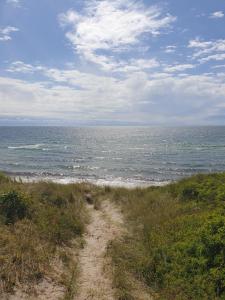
{"x": 174, "y": 243}
{"x": 38, "y": 221}
{"x": 176, "y": 239}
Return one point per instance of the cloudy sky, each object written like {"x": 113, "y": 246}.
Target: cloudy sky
{"x": 112, "y": 62}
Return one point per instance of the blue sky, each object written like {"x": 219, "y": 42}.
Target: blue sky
{"x": 112, "y": 62}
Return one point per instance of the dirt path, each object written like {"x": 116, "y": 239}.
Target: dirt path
{"x": 95, "y": 281}
{"x": 95, "y": 269}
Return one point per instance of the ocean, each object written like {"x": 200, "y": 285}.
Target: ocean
{"x": 117, "y": 156}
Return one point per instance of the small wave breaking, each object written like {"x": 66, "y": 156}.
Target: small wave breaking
{"x": 27, "y": 147}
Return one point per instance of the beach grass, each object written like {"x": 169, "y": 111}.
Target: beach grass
{"x": 173, "y": 243}
{"x": 175, "y": 240}
{"x": 37, "y": 221}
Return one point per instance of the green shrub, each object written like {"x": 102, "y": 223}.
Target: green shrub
{"x": 205, "y": 188}
{"x": 13, "y": 207}
{"x": 190, "y": 191}
{"x": 195, "y": 263}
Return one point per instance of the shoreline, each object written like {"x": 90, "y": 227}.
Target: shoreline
{"x": 117, "y": 182}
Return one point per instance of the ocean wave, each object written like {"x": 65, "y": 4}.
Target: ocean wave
{"x": 86, "y": 167}
{"x": 27, "y": 147}
{"x": 113, "y": 182}
{"x": 79, "y": 159}
{"x": 137, "y": 148}
{"x": 128, "y": 183}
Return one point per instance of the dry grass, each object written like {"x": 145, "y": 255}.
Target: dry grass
{"x": 54, "y": 219}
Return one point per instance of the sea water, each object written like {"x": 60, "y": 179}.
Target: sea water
{"x": 128, "y": 156}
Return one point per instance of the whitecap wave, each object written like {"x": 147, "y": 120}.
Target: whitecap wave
{"x": 85, "y": 167}
{"x": 27, "y": 147}
{"x": 113, "y": 182}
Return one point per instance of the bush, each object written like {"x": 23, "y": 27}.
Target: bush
{"x": 204, "y": 188}
{"x": 194, "y": 264}
{"x": 190, "y": 191}
{"x": 13, "y": 207}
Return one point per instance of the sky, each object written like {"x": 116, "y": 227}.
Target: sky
{"x": 112, "y": 62}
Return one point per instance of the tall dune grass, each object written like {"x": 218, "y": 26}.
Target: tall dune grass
{"x": 36, "y": 219}
{"x": 176, "y": 239}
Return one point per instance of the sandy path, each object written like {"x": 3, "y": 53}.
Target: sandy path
{"x": 95, "y": 282}
{"x": 95, "y": 278}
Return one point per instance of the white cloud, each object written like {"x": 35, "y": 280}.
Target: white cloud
{"x": 216, "y": 57}
{"x": 5, "y": 33}
{"x": 14, "y": 2}
{"x": 112, "y": 26}
{"x": 178, "y": 68}
{"x": 197, "y": 43}
{"x": 141, "y": 88}
{"x": 141, "y": 97}
{"x": 21, "y": 67}
{"x": 218, "y": 67}
{"x": 18, "y": 97}
{"x": 170, "y": 49}
{"x": 132, "y": 65}
{"x": 217, "y": 15}
{"x": 208, "y": 50}
{"x": 136, "y": 65}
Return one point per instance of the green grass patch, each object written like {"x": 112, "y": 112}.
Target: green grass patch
{"x": 176, "y": 239}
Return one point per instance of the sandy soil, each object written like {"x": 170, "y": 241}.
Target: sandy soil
{"x": 47, "y": 289}
{"x": 95, "y": 280}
